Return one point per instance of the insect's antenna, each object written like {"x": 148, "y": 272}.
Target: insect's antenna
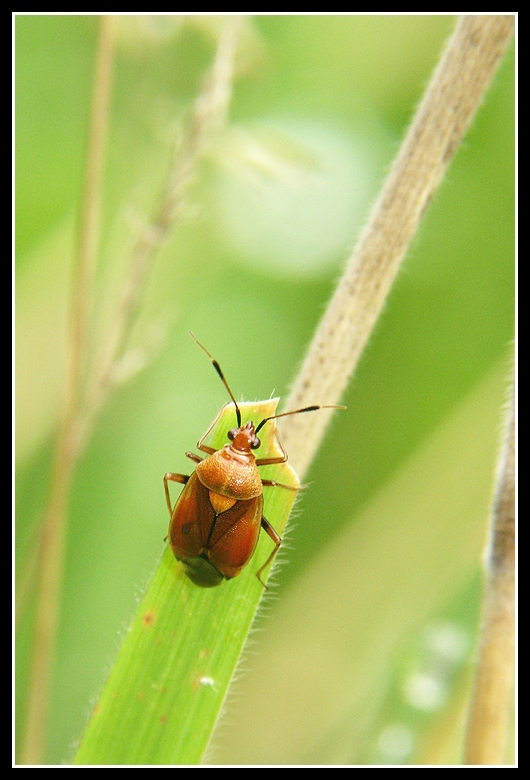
{"x": 222, "y": 378}
{"x": 296, "y": 411}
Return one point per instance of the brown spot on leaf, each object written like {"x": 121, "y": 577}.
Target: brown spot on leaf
{"x": 149, "y": 618}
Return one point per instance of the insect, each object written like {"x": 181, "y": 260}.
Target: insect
{"x": 215, "y": 523}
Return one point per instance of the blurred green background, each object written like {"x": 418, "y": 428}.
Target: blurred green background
{"x": 365, "y": 648}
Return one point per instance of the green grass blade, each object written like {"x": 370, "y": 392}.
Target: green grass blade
{"x": 166, "y": 689}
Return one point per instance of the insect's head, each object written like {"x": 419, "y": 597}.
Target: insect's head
{"x": 244, "y": 436}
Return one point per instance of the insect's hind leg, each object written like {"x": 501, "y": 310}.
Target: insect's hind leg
{"x": 276, "y": 538}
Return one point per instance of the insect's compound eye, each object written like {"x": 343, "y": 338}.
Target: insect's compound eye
{"x": 255, "y": 443}
{"x": 232, "y": 433}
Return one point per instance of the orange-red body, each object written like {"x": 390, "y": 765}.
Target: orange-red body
{"x": 216, "y": 521}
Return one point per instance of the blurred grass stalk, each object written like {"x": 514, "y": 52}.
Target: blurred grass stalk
{"x": 451, "y": 100}
{"x": 54, "y": 524}
{"x": 490, "y": 702}
{"x": 86, "y": 389}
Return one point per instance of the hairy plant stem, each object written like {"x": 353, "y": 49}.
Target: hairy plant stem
{"x": 452, "y": 97}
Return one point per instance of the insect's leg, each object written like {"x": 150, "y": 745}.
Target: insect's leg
{"x": 205, "y": 448}
{"x": 169, "y": 477}
{"x": 270, "y": 461}
{"x": 196, "y": 458}
{"x": 269, "y": 530}
{"x": 200, "y": 445}
{"x": 272, "y": 483}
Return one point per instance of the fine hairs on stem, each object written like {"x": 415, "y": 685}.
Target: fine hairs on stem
{"x": 450, "y": 102}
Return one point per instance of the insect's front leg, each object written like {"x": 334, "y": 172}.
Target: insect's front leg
{"x": 270, "y": 461}
{"x": 279, "y": 459}
{"x": 169, "y": 477}
{"x": 204, "y": 447}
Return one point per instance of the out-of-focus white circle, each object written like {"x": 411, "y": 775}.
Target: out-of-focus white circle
{"x": 424, "y": 691}
{"x": 395, "y": 742}
{"x": 448, "y": 641}
{"x": 293, "y": 195}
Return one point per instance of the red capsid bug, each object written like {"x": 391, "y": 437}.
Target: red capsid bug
{"x": 215, "y": 523}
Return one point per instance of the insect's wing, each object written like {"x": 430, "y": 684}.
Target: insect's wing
{"x": 191, "y": 520}
{"x": 235, "y": 536}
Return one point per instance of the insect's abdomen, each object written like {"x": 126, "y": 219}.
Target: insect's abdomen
{"x": 213, "y": 546}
